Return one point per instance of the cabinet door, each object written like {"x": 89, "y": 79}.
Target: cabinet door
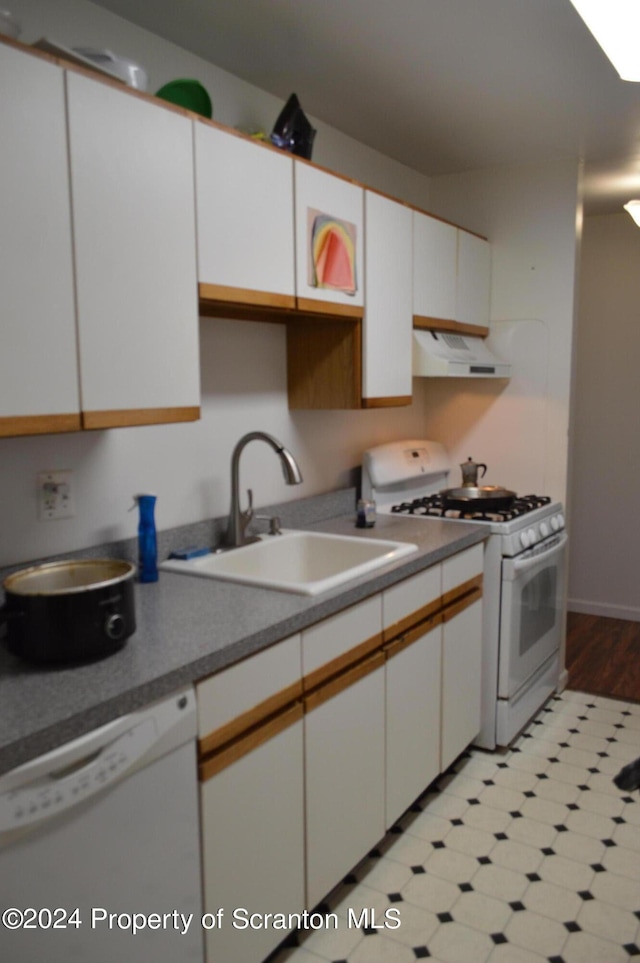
{"x": 388, "y": 317}
{"x": 461, "y": 681}
{"x": 324, "y": 195}
{"x": 38, "y": 366}
{"x": 473, "y": 288}
{"x": 434, "y": 268}
{"x": 461, "y": 656}
{"x": 134, "y": 234}
{"x": 344, "y": 769}
{"x": 253, "y": 845}
{"x": 244, "y": 206}
{"x": 413, "y": 719}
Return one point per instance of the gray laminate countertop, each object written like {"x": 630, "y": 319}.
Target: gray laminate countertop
{"x": 188, "y": 628}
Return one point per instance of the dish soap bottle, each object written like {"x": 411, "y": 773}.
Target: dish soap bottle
{"x": 147, "y": 544}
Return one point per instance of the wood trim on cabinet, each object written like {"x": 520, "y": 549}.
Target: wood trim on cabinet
{"x": 342, "y": 662}
{"x": 214, "y": 297}
{"x": 421, "y": 210}
{"x": 396, "y": 401}
{"x": 129, "y": 417}
{"x": 242, "y": 312}
{"x": 416, "y": 618}
{"x": 413, "y": 635}
{"x": 324, "y": 364}
{"x": 250, "y": 719}
{"x": 17, "y": 425}
{"x": 250, "y": 741}
{"x": 454, "y": 327}
{"x": 471, "y": 585}
{"x": 463, "y": 602}
{"x": 230, "y": 742}
{"x": 343, "y": 681}
{"x": 353, "y": 312}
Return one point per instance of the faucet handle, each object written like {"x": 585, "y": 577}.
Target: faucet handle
{"x": 249, "y": 511}
{"x": 275, "y": 527}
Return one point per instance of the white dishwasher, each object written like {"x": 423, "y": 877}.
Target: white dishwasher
{"x": 99, "y": 845}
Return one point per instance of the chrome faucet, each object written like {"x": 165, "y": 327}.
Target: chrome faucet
{"x": 239, "y": 519}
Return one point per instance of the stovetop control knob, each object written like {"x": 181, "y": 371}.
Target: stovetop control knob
{"x": 555, "y": 524}
{"x": 544, "y": 529}
{"x": 524, "y": 539}
{"x": 560, "y": 518}
{"x": 533, "y": 538}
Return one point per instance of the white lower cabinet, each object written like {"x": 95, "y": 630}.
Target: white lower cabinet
{"x": 253, "y": 847}
{"x": 252, "y": 800}
{"x": 311, "y": 749}
{"x": 413, "y": 636}
{"x": 461, "y": 653}
{"x": 461, "y": 674}
{"x": 413, "y": 719}
{"x": 344, "y": 746}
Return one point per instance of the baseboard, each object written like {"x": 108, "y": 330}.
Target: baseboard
{"x": 563, "y": 681}
{"x": 604, "y": 609}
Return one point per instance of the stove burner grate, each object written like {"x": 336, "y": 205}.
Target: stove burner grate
{"x": 433, "y": 505}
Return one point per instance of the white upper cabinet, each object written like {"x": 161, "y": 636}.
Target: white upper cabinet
{"x": 38, "y": 368}
{"x": 244, "y": 206}
{"x": 329, "y": 240}
{"x": 473, "y": 288}
{"x": 387, "y": 329}
{"x": 434, "y": 267}
{"x": 451, "y": 272}
{"x": 134, "y": 233}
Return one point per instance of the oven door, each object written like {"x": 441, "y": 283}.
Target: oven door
{"x": 531, "y": 613}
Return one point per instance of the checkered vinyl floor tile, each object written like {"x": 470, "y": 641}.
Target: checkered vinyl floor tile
{"x": 524, "y": 855}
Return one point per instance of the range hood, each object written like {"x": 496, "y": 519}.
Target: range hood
{"x": 438, "y": 354}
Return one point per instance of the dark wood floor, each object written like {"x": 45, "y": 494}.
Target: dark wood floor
{"x": 603, "y": 656}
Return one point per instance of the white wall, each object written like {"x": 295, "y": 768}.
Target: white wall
{"x": 243, "y": 364}
{"x": 605, "y": 556}
{"x": 519, "y": 429}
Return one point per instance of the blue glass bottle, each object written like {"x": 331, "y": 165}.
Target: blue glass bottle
{"x": 147, "y": 543}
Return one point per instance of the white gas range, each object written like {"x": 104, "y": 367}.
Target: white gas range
{"x": 523, "y": 579}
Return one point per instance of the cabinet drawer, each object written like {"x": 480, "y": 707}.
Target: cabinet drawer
{"x": 462, "y": 567}
{"x": 344, "y": 638}
{"x": 243, "y": 694}
{"x": 411, "y": 601}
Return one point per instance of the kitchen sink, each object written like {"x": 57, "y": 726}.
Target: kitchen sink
{"x": 306, "y": 563}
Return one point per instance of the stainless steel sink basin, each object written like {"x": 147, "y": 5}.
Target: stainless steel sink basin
{"x": 306, "y": 563}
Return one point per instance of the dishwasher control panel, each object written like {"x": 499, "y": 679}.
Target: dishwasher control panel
{"x": 63, "y": 788}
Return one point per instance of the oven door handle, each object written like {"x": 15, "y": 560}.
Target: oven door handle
{"x": 518, "y": 566}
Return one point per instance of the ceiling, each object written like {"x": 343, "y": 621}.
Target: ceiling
{"x": 440, "y": 85}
